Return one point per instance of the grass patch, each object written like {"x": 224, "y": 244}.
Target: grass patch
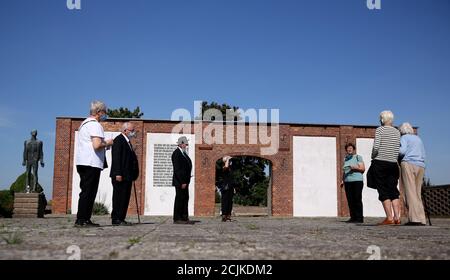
{"x": 13, "y": 238}
{"x": 134, "y": 241}
{"x": 252, "y": 227}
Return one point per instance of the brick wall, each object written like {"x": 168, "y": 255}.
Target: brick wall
{"x": 206, "y": 156}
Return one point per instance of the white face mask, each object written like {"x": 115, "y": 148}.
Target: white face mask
{"x": 132, "y": 134}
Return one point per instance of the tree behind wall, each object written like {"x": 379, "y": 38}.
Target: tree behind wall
{"x": 250, "y": 178}
{"x": 222, "y": 108}
{"x": 125, "y": 113}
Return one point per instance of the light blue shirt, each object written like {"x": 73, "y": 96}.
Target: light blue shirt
{"x": 412, "y": 150}
{"x": 349, "y": 174}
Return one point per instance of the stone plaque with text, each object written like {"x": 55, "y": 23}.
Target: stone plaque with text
{"x": 162, "y": 165}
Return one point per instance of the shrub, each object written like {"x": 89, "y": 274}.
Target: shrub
{"x": 19, "y": 184}
{"x": 6, "y": 203}
{"x": 100, "y": 209}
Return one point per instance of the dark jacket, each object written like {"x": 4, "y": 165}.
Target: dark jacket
{"x": 228, "y": 182}
{"x": 124, "y": 160}
{"x": 182, "y": 168}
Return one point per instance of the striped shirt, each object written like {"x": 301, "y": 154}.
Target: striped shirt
{"x": 386, "y": 145}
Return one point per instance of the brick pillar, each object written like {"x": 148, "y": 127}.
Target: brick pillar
{"x": 60, "y": 200}
{"x": 346, "y": 135}
{"x": 282, "y": 186}
{"x": 205, "y": 181}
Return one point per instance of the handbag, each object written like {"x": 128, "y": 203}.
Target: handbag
{"x": 370, "y": 178}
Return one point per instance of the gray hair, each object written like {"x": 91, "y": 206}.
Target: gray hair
{"x": 386, "y": 117}
{"x": 97, "y": 106}
{"x": 126, "y": 125}
{"x": 406, "y": 128}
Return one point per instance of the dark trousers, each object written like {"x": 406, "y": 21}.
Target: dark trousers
{"x": 120, "y": 199}
{"x": 227, "y": 201}
{"x": 89, "y": 179}
{"x": 180, "y": 209}
{"x": 353, "y": 190}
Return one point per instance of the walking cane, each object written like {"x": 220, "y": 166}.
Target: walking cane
{"x": 137, "y": 205}
{"x": 425, "y": 205}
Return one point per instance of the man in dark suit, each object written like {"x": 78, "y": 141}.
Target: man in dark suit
{"x": 124, "y": 170}
{"x": 182, "y": 168}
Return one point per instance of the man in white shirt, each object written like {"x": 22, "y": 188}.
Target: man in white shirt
{"x": 90, "y": 161}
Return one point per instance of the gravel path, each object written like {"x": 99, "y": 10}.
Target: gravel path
{"x": 254, "y": 238}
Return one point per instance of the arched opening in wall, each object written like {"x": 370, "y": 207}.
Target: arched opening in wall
{"x": 251, "y": 181}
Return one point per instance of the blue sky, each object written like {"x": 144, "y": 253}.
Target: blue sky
{"x": 318, "y": 61}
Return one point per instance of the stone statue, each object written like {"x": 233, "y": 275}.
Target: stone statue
{"x": 32, "y": 154}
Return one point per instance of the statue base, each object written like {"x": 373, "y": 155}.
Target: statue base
{"x": 29, "y": 205}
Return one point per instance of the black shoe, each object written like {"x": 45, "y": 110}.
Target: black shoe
{"x": 355, "y": 221}
{"x": 89, "y": 223}
{"x": 121, "y": 223}
{"x": 414, "y": 224}
{"x": 180, "y": 222}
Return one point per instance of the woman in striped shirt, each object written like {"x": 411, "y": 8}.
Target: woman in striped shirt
{"x": 384, "y": 168}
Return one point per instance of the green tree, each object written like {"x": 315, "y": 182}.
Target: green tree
{"x": 20, "y": 184}
{"x": 222, "y": 108}
{"x": 251, "y": 180}
{"x": 6, "y": 203}
{"x": 125, "y": 113}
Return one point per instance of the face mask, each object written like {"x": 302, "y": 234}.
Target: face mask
{"x": 103, "y": 117}
{"x": 132, "y": 134}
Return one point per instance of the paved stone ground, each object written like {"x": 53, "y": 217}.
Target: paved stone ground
{"x": 253, "y": 238}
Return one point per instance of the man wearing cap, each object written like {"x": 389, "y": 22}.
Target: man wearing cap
{"x": 182, "y": 168}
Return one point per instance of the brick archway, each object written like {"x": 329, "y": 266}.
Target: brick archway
{"x": 269, "y": 187}
{"x": 205, "y": 177}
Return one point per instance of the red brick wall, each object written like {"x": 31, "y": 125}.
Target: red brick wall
{"x": 206, "y": 156}
{"x": 61, "y": 166}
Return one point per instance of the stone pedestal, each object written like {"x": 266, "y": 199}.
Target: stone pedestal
{"x": 29, "y": 205}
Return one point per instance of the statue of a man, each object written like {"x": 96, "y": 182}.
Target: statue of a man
{"x": 32, "y": 154}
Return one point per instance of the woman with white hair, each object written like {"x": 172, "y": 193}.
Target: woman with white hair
{"x": 90, "y": 161}
{"x": 412, "y": 154}
{"x": 384, "y": 171}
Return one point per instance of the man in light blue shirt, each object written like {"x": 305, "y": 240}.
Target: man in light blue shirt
{"x": 412, "y": 155}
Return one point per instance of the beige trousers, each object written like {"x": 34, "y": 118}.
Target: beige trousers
{"x": 411, "y": 182}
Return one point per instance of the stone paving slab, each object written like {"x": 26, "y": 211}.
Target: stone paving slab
{"x": 247, "y": 238}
